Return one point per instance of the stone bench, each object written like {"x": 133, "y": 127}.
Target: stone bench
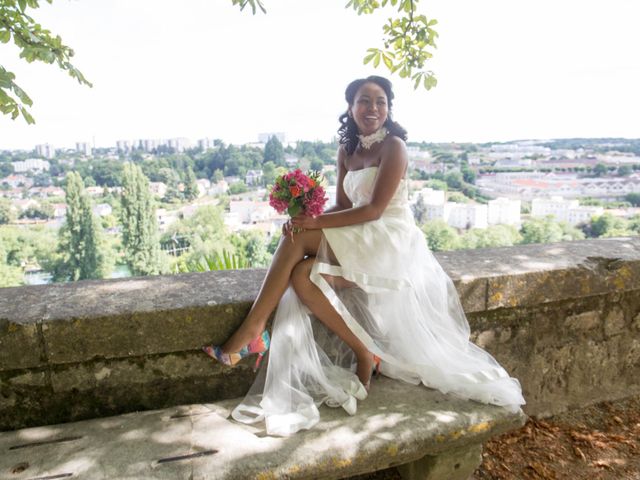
{"x": 562, "y": 318}
{"x": 426, "y": 434}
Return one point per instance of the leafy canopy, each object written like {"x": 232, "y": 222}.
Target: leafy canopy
{"x": 36, "y": 44}
{"x": 407, "y": 40}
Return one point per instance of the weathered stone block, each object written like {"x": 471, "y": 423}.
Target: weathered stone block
{"x": 20, "y": 345}
{"x": 16, "y": 385}
{"x": 456, "y": 464}
{"x": 632, "y": 359}
{"x": 22, "y": 396}
{"x": 504, "y": 335}
{"x": 614, "y": 322}
{"x": 25, "y": 378}
{"x": 103, "y": 388}
{"x": 519, "y": 290}
{"x": 473, "y": 294}
{"x": 144, "y": 333}
{"x": 582, "y": 321}
{"x": 486, "y": 339}
{"x": 129, "y": 373}
{"x": 142, "y": 316}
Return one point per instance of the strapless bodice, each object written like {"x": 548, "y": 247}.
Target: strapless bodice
{"x": 358, "y": 185}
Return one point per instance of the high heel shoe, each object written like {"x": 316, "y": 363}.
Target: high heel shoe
{"x": 258, "y": 345}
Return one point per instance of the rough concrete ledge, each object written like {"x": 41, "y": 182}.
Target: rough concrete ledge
{"x": 558, "y": 316}
{"x": 398, "y": 424}
{"x": 64, "y": 323}
{"x": 530, "y": 275}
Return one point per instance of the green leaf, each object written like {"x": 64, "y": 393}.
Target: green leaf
{"x": 226, "y": 260}
{"x": 5, "y": 36}
{"x": 416, "y": 84}
{"x": 376, "y": 60}
{"x": 24, "y": 98}
{"x": 5, "y": 99}
{"x": 294, "y": 210}
{"x": 368, "y": 58}
{"x": 426, "y": 82}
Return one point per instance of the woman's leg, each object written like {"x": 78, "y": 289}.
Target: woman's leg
{"x": 288, "y": 254}
{"x": 320, "y": 306}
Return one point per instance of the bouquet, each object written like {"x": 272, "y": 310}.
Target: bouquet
{"x": 297, "y": 193}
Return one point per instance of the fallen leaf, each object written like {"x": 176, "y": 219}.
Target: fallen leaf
{"x": 602, "y": 463}
{"x": 579, "y": 453}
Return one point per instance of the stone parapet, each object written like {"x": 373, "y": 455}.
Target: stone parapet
{"x": 563, "y": 318}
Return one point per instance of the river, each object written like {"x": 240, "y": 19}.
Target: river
{"x": 42, "y": 278}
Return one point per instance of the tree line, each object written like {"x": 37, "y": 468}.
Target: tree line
{"x": 441, "y": 236}
{"x": 83, "y": 250}
{"x": 179, "y": 170}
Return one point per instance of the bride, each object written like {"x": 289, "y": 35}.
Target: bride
{"x": 357, "y": 290}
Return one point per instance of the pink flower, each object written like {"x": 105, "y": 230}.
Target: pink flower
{"x": 278, "y": 204}
{"x": 314, "y": 203}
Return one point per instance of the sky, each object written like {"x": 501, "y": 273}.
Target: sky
{"x": 507, "y": 70}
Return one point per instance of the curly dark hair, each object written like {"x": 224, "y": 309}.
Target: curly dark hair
{"x": 348, "y": 130}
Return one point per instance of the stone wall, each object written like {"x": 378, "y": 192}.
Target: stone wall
{"x": 563, "y": 318}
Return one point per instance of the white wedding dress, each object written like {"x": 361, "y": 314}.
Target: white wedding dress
{"x": 386, "y": 284}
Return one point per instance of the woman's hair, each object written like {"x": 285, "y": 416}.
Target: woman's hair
{"x": 348, "y": 130}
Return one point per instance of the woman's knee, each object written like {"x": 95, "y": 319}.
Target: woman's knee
{"x": 300, "y": 277}
{"x": 306, "y": 242}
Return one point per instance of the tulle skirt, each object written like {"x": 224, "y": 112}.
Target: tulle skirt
{"x": 392, "y": 293}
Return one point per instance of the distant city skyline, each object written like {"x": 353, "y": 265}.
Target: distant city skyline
{"x": 506, "y": 70}
{"x": 180, "y": 144}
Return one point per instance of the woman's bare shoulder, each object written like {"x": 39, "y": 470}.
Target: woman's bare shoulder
{"x": 394, "y": 148}
{"x": 342, "y": 157}
{"x": 392, "y": 142}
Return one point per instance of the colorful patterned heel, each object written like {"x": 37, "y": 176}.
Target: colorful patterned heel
{"x": 375, "y": 371}
{"x": 259, "y": 345}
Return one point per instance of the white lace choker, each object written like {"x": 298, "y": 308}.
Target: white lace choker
{"x": 367, "y": 141}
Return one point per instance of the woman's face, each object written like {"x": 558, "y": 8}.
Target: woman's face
{"x": 369, "y": 109}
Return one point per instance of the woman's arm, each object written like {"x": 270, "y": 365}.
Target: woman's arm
{"x": 342, "y": 201}
{"x": 392, "y": 167}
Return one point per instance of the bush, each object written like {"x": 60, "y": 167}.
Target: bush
{"x": 237, "y": 188}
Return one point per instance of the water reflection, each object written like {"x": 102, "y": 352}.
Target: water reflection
{"x": 42, "y": 277}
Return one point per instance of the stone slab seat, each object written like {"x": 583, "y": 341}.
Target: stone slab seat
{"x": 426, "y": 434}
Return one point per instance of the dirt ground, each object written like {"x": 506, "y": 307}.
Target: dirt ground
{"x": 601, "y": 442}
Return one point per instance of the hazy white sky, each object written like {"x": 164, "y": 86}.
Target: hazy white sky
{"x": 195, "y": 68}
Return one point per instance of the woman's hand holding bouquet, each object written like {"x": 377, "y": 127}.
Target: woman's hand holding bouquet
{"x": 301, "y": 196}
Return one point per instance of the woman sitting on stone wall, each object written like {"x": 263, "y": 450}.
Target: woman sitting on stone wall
{"x": 358, "y": 289}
